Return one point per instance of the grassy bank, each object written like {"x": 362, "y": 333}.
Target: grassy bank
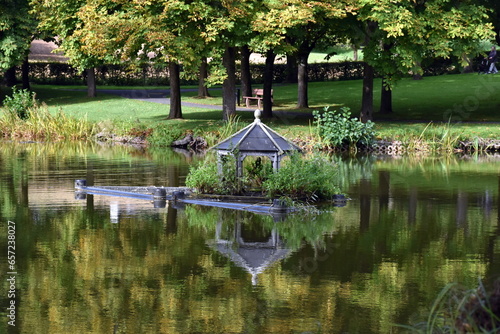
{"x": 422, "y": 109}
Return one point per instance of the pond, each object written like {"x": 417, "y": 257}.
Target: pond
{"x": 107, "y": 264}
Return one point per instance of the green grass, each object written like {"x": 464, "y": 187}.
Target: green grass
{"x": 471, "y": 100}
{"x": 464, "y": 97}
{"x": 342, "y": 53}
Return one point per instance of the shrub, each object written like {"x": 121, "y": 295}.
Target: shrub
{"x": 204, "y": 177}
{"x": 311, "y": 178}
{"x": 164, "y": 135}
{"x": 20, "y": 103}
{"x": 258, "y": 171}
{"x": 300, "y": 178}
{"x": 207, "y": 179}
{"x": 338, "y": 129}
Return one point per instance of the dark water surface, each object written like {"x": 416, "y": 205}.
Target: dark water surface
{"x": 115, "y": 265}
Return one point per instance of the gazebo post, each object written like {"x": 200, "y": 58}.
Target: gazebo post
{"x": 219, "y": 163}
{"x": 239, "y": 165}
{"x": 276, "y": 162}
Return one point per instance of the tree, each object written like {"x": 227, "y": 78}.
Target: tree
{"x": 272, "y": 24}
{"x": 268, "y": 84}
{"x": 227, "y": 28}
{"x": 202, "y": 86}
{"x": 138, "y": 32}
{"x": 494, "y": 15}
{"x": 320, "y": 28}
{"x": 58, "y": 18}
{"x": 432, "y": 28}
{"x": 17, "y": 27}
{"x": 246, "y": 75}
{"x": 229, "y": 84}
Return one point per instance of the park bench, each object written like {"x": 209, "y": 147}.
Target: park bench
{"x": 257, "y": 94}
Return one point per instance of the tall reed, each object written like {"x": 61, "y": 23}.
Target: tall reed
{"x": 40, "y": 124}
{"x": 439, "y": 138}
{"x": 462, "y": 311}
{"x": 227, "y": 128}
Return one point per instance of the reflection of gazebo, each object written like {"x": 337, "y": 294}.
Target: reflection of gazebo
{"x": 256, "y": 139}
{"x": 253, "y": 256}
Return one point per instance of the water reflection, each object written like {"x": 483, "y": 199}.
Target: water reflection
{"x": 249, "y": 248}
{"x": 105, "y": 264}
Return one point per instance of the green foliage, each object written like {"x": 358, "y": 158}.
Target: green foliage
{"x": 223, "y": 130}
{"x": 258, "y": 171}
{"x": 301, "y": 178}
{"x": 204, "y": 177}
{"x": 207, "y": 178}
{"x": 304, "y": 178}
{"x": 16, "y": 31}
{"x": 20, "y": 102}
{"x": 164, "y": 135}
{"x": 338, "y": 129}
{"x": 403, "y": 33}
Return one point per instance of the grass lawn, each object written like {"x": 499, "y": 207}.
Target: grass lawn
{"x": 463, "y": 97}
{"x": 471, "y": 101}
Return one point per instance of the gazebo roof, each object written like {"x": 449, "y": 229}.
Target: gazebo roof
{"x": 257, "y": 138}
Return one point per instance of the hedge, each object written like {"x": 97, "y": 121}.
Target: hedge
{"x": 151, "y": 75}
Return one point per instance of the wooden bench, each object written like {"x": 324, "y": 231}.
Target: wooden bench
{"x": 257, "y": 94}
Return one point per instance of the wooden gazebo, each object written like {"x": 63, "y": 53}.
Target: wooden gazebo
{"x": 256, "y": 139}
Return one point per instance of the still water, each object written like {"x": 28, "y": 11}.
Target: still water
{"x": 105, "y": 264}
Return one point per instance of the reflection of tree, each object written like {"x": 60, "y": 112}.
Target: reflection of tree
{"x": 171, "y": 224}
{"x": 23, "y": 176}
{"x": 351, "y": 170}
{"x": 153, "y": 272}
{"x": 462, "y": 205}
{"x": 412, "y": 205}
{"x": 492, "y": 254}
{"x": 365, "y": 187}
{"x": 384, "y": 181}
{"x": 126, "y": 162}
{"x": 96, "y": 276}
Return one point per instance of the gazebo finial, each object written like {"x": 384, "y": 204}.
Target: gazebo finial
{"x": 257, "y": 114}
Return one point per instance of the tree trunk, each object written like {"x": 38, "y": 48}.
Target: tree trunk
{"x": 10, "y": 77}
{"x": 175, "y": 91}
{"x": 91, "y": 85}
{"x": 268, "y": 84}
{"x": 367, "y": 99}
{"x": 416, "y": 74}
{"x": 385, "y": 99}
{"x": 26, "y": 74}
{"x": 246, "y": 74}
{"x": 229, "y": 84}
{"x": 469, "y": 68}
{"x": 202, "y": 88}
{"x": 354, "y": 53}
{"x": 302, "y": 98}
{"x": 291, "y": 68}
